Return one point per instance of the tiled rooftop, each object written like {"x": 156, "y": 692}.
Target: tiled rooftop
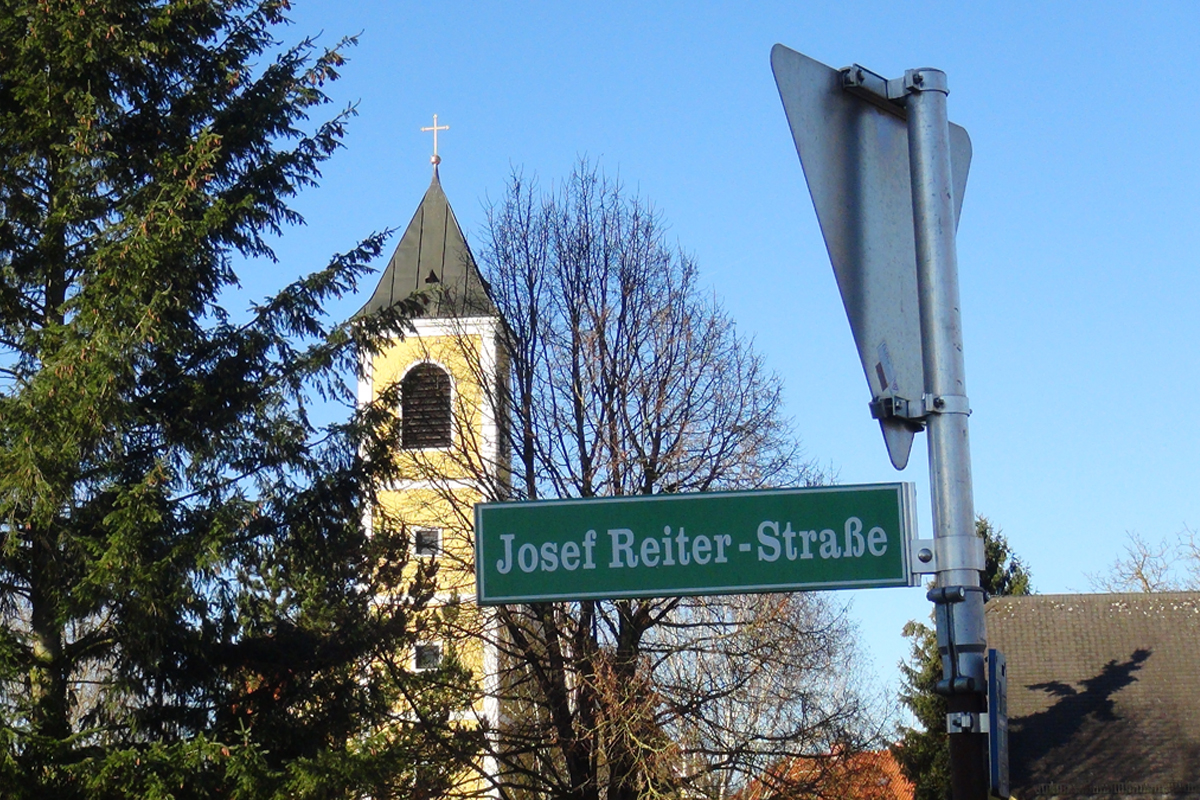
{"x": 1103, "y": 693}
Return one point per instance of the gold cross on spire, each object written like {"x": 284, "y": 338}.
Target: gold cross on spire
{"x": 436, "y": 159}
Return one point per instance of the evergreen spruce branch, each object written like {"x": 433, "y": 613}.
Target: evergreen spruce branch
{"x": 166, "y": 488}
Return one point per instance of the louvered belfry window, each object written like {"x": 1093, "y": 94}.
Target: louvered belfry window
{"x": 425, "y": 407}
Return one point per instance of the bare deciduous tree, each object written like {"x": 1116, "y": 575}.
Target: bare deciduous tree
{"x": 1170, "y": 565}
{"x": 623, "y": 377}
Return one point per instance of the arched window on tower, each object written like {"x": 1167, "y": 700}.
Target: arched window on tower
{"x": 425, "y": 415}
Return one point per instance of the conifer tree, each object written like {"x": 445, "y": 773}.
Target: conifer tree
{"x": 189, "y": 604}
{"x": 924, "y": 753}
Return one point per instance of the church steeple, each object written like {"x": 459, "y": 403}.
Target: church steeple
{"x": 433, "y": 254}
{"x": 451, "y": 374}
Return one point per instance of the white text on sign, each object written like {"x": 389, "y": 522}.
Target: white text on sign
{"x": 675, "y": 548}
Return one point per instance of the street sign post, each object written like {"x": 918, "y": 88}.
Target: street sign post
{"x": 887, "y": 172}
{"x": 690, "y": 544}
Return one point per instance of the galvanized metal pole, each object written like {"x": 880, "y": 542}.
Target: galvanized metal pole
{"x": 957, "y": 594}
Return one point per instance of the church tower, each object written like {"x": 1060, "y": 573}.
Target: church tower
{"x": 447, "y": 379}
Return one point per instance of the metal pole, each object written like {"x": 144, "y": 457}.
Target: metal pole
{"x": 957, "y": 594}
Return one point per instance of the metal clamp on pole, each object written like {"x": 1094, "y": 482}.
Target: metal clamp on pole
{"x": 945, "y": 595}
{"x": 946, "y": 404}
{"x": 886, "y": 95}
{"x": 959, "y": 643}
{"x": 893, "y": 407}
{"x": 914, "y": 413}
{"x": 925, "y": 80}
{"x": 966, "y": 722}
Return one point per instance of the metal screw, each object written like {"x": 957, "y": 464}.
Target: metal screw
{"x": 925, "y": 555}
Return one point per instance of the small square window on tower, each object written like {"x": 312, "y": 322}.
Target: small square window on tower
{"x": 427, "y": 542}
{"x": 427, "y": 656}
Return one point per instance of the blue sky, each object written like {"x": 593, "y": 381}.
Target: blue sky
{"x": 1077, "y": 246}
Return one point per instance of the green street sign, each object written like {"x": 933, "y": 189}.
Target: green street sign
{"x": 838, "y": 537}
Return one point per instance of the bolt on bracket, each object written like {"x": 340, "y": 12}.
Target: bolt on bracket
{"x": 886, "y": 95}
{"x": 893, "y": 407}
{"x": 922, "y": 558}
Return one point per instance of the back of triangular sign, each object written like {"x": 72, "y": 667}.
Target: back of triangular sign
{"x": 855, "y": 160}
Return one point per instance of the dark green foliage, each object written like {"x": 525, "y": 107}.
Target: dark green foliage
{"x": 1005, "y": 574}
{"x": 189, "y": 604}
{"x": 923, "y": 752}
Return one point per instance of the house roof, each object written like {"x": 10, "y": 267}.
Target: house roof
{"x": 433, "y": 255}
{"x": 1102, "y": 693}
{"x": 871, "y": 775}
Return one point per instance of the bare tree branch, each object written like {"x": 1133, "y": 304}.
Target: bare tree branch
{"x": 1170, "y": 565}
{"x": 621, "y": 376}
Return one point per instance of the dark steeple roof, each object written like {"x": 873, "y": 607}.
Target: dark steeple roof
{"x": 433, "y": 254}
